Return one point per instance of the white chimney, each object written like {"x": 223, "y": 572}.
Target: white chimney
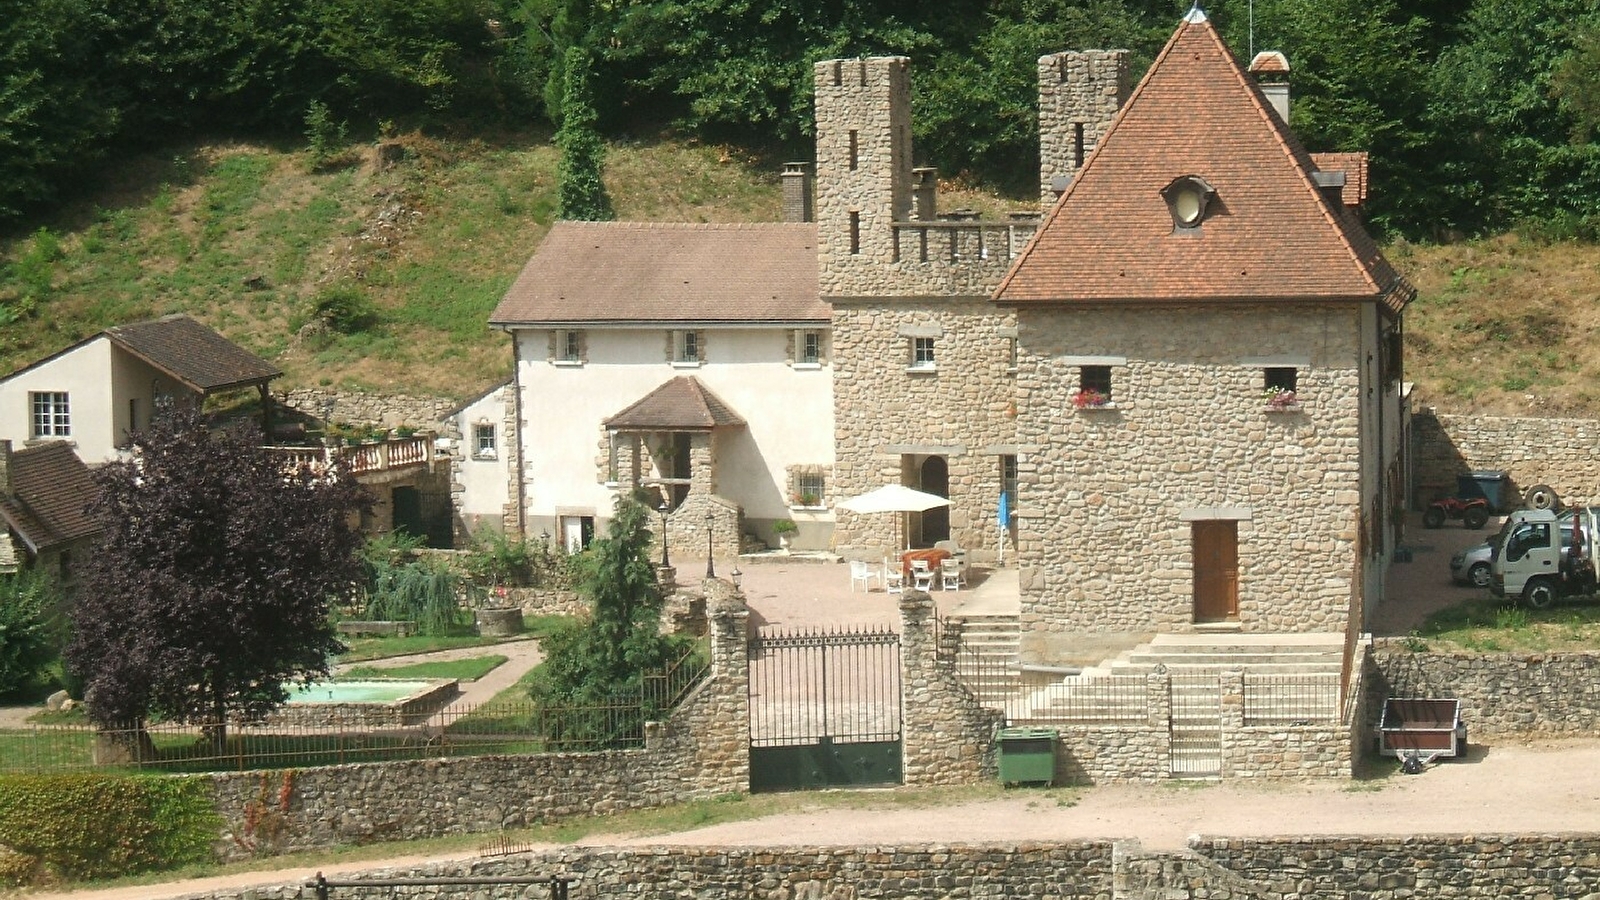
{"x": 1271, "y": 71}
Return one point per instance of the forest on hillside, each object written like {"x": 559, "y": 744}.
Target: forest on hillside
{"x": 1480, "y": 116}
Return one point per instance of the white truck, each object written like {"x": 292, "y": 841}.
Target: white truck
{"x": 1529, "y": 565}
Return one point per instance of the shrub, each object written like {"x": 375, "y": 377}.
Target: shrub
{"x": 325, "y": 136}
{"x": 27, "y": 641}
{"x": 346, "y": 309}
{"x": 96, "y": 826}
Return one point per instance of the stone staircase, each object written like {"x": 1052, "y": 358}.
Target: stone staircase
{"x": 990, "y": 645}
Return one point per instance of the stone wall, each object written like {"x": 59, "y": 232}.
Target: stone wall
{"x": 371, "y": 409}
{"x": 887, "y": 418}
{"x": 702, "y": 751}
{"x": 1563, "y": 453}
{"x": 1500, "y": 693}
{"x": 1108, "y": 497}
{"x": 1270, "y": 868}
{"x": 948, "y": 736}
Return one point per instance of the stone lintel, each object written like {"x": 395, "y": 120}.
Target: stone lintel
{"x": 897, "y": 450}
{"x": 923, "y": 331}
{"x": 1211, "y": 513}
{"x": 1093, "y": 360}
{"x": 1281, "y": 361}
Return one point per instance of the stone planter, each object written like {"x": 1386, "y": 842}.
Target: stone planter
{"x": 499, "y": 622}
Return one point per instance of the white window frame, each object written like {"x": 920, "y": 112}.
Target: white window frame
{"x": 484, "y": 441}
{"x": 569, "y": 347}
{"x": 683, "y": 340}
{"x": 51, "y": 413}
{"x": 805, "y": 479}
{"x": 924, "y": 356}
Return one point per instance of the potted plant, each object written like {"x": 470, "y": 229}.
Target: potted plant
{"x": 1089, "y": 398}
{"x": 783, "y": 528}
{"x": 1281, "y": 399}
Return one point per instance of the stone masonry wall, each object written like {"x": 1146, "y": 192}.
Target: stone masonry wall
{"x": 1107, "y": 496}
{"x": 1563, "y": 453}
{"x": 963, "y": 410}
{"x": 702, "y": 751}
{"x": 948, "y": 737}
{"x": 1078, "y": 88}
{"x": 1269, "y": 868}
{"x": 1500, "y": 693}
{"x": 371, "y": 409}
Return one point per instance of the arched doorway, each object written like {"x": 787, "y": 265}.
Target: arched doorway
{"x": 935, "y": 525}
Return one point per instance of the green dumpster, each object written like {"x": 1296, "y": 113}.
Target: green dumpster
{"x": 1028, "y": 755}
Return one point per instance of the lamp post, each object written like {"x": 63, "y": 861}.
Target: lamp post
{"x": 711, "y": 570}
{"x": 663, "y": 510}
{"x": 736, "y": 575}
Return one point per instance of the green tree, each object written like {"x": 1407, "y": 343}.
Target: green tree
{"x": 209, "y": 591}
{"x": 602, "y": 661}
{"x": 582, "y": 187}
{"x": 28, "y": 641}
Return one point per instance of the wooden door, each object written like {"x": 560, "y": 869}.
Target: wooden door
{"x": 1216, "y": 571}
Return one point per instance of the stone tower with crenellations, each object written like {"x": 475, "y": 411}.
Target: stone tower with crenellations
{"x": 924, "y": 377}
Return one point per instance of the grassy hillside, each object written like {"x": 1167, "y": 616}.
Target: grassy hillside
{"x": 248, "y": 239}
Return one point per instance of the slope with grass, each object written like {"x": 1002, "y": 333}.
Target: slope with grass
{"x": 250, "y": 239}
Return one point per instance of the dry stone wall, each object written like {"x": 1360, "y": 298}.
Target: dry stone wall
{"x": 1270, "y": 868}
{"x": 1107, "y": 496}
{"x": 1500, "y": 693}
{"x": 373, "y": 409}
{"x": 1563, "y": 453}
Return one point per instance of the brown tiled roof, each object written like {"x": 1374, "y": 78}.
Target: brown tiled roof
{"x": 192, "y": 353}
{"x": 639, "y": 272}
{"x": 1354, "y": 167}
{"x": 682, "y": 404}
{"x": 1269, "y": 233}
{"x": 51, "y": 490}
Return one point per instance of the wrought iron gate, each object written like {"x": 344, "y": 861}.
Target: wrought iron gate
{"x": 824, "y": 709}
{"x": 1196, "y": 725}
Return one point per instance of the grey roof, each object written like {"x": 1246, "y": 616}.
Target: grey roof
{"x": 652, "y": 272}
{"x": 192, "y": 353}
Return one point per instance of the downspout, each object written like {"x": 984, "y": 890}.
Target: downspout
{"x": 516, "y": 405}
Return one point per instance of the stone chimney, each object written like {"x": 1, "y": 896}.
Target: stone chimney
{"x": 797, "y": 193}
{"x": 5, "y": 468}
{"x": 1271, "y": 71}
{"x": 925, "y": 193}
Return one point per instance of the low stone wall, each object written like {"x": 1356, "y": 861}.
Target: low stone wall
{"x": 368, "y": 409}
{"x": 1558, "y": 452}
{"x": 405, "y": 712}
{"x": 702, "y": 751}
{"x": 1500, "y": 693}
{"x": 1328, "y": 868}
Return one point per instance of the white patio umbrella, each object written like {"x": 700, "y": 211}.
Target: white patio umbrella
{"x": 894, "y": 498}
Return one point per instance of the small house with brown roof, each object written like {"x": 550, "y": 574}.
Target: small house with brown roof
{"x": 693, "y": 359}
{"x": 93, "y": 393}
{"x": 45, "y": 493}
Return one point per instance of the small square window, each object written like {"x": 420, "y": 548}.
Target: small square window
{"x": 809, "y": 489}
{"x": 686, "y": 347}
{"x": 922, "y": 353}
{"x": 1280, "y": 384}
{"x": 483, "y": 442}
{"x": 52, "y": 415}
{"x": 1094, "y": 387}
{"x": 569, "y": 346}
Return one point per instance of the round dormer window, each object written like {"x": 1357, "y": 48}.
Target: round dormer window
{"x": 1187, "y": 199}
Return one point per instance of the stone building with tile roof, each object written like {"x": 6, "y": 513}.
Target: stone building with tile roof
{"x": 45, "y": 493}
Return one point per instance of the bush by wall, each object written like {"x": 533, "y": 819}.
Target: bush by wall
{"x": 91, "y": 826}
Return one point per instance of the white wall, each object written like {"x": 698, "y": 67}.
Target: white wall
{"x": 85, "y": 374}
{"x": 789, "y": 412}
{"x": 484, "y": 480}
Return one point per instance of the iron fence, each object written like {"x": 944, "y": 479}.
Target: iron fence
{"x": 841, "y": 685}
{"x": 494, "y": 728}
{"x": 1291, "y": 699}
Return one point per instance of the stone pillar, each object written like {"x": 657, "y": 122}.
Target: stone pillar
{"x": 1158, "y": 694}
{"x": 948, "y": 737}
{"x": 1234, "y": 760}
{"x": 925, "y": 193}
{"x": 1080, "y": 93}
{"x": 729, "y": 618}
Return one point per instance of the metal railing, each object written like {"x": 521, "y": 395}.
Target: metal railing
{"x": 459, "y": 729}
{"x": 1291, "y": 699}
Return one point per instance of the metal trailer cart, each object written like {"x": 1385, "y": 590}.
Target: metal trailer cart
{"x": 1418, "y": 731}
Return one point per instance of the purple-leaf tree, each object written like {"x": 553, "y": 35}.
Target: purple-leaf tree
{"x": 208, "y": 595}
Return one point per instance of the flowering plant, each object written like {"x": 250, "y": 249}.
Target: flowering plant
{"x": 1281, "y": 398}
{"x": 1089, "y": 398}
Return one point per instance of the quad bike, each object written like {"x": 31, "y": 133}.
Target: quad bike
{"x": 1473, "y": 512}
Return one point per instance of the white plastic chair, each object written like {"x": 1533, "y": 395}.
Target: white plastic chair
{"x": 862, "y": 573}
{"x": 950, "y": 577}
{"x": 921, "y": 575}
{"x": 894, "y": 580}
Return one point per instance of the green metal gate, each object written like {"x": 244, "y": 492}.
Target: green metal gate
{"x": 824, "y": 709}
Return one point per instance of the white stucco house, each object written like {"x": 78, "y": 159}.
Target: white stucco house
{"x": 93, "y": 393}
{"x": 690, "y": 359}
{"x": 481, "y": 465}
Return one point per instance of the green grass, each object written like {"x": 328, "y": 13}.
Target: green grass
{"x": 1487, "y": 625}
{"x": 363, "y": 649}
{"x": 470, "y": 669}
